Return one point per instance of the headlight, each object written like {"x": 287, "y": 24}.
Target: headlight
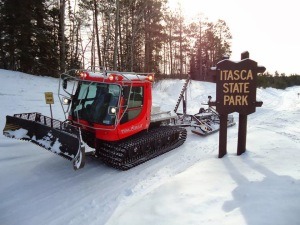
{"x": 66, "y": 101}
{"x": 112, "y": 110}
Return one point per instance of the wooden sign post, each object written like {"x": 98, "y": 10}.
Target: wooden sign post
{"x": 236, "y": 92}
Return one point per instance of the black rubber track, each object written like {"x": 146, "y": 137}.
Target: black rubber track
{"x": 140, "y": 148}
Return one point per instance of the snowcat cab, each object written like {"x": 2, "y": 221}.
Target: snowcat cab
{"x": 109, "y": 106}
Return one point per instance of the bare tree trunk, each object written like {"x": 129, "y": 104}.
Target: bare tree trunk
{"x": 200, "y": 49}
{"x": 62, "y": 6}
{"x": 120, "y": 46}
{"x": 165, "y": 62}
{"x": 93, "y": 46}
{"x": 97, "y": 33}
{"x": 180, "y": 44}
{"x": 171, "y": 53}
{"x": 116, "y": 35}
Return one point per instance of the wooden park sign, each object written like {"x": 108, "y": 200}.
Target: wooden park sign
{"x": 236, "y": 87}
{"x": 236, "y": 92}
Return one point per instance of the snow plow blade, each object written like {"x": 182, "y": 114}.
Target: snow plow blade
{"x": 58, "y": 137}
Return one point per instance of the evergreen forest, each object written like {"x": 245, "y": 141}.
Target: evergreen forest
{"x": 48, "y": 37}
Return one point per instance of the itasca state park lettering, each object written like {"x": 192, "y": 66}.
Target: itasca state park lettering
{"x": 236, "y": 86}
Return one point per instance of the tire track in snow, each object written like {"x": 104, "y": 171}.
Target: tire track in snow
{"x": 280, "y": 113}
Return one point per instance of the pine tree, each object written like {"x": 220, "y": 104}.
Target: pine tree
{"x": 210, "y": 48}
{"x": 30, "y": 38}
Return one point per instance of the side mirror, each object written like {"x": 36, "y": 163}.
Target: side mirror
{"x": 65, "y": 83}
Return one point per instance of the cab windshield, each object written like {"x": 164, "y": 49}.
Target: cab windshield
{"x": 93, "y": 100}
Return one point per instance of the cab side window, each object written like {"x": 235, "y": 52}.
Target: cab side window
{"x": 134, "y": 98}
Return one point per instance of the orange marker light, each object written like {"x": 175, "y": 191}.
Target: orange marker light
{"x": 83, "y": 74}
{"x": 111, "y": 77}
{"x": 150, "y": 77}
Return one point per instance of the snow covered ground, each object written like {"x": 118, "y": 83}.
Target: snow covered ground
{"x": 188, "y": 185}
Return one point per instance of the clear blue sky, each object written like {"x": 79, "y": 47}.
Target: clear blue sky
{"x": 269, "y": 30}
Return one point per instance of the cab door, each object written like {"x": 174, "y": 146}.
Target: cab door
{"x": 136, "y": 110}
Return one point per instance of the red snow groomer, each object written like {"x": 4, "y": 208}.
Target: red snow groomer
{"x": 109, "y": 111}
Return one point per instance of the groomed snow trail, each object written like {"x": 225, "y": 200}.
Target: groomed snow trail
{"x": 38, "y": 187}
